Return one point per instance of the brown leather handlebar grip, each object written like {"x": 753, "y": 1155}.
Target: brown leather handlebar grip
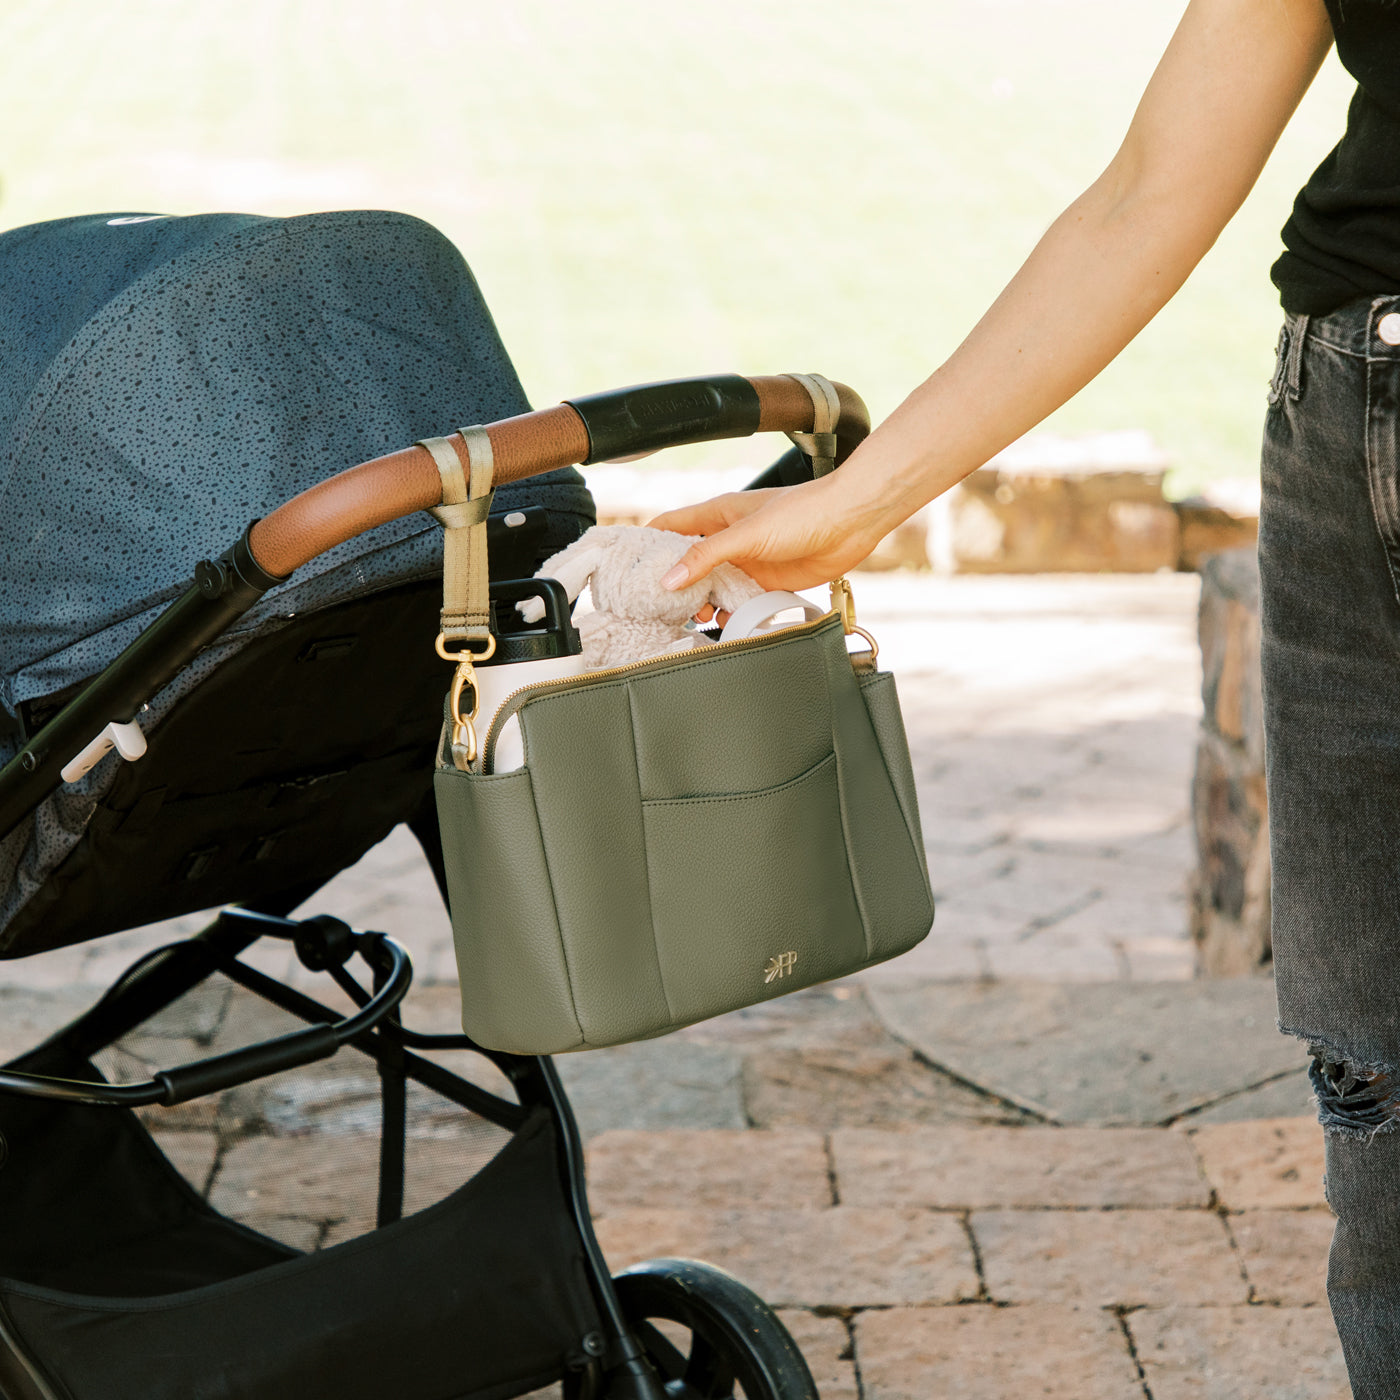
{"x": 649, "y": 417}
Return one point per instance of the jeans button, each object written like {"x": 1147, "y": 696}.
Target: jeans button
{"x": 1389, "y": 328}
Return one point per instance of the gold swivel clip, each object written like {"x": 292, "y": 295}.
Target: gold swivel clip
{"x": 843, "y": 601}
{"x": 464, "y": 725}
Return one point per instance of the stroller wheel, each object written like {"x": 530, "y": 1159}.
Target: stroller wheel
{"x": 710, "y": 1337}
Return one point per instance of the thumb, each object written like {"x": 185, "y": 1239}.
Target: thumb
{"x": 697, "y": 561}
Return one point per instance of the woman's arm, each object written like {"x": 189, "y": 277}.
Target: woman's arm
{"x": 1231, "y": 77}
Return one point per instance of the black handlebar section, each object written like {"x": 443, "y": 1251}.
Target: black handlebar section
{"x": 647, "y": 417}
{"x": 192, "y": 1081}
{"x": 791, "y": 469}
{"x": 221, "y": 1072}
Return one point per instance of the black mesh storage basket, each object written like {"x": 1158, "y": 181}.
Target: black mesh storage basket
{"x": 119, "y": 1280}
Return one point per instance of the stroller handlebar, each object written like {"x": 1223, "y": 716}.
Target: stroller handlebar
{"x": 641, "y": 419}
{"x": 597, "y": 428}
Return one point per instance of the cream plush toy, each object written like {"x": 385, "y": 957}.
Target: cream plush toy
{"x": 635, "y": 618}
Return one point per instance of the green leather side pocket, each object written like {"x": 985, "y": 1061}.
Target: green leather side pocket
{"x": 882, "y": 705}
{"x": 516, "y": 988}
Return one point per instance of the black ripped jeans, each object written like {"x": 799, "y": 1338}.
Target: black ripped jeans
{"x": 1329, "y": 552}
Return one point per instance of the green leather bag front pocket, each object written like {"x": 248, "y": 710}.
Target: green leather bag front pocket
{"x": 750, "y": 893}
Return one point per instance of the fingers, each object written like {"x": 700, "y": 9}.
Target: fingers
{"x": 715, "y": 514}
{"x": 708, "y": 614}
{"x": 697, "y": 561}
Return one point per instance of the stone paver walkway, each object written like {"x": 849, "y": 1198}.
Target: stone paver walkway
{"x": 1028, "y": 1158}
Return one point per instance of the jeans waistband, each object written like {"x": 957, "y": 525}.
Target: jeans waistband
{"x": 1355, "y": 329}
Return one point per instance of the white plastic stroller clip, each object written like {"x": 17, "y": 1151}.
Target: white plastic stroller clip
{"x": 127, "y": 739}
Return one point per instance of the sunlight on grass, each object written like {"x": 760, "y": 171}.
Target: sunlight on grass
{"x": 647, "y": 190}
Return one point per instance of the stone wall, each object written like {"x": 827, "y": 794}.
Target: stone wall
{"x": 1054, "y": 518}
{"x": 1230, "y": 902}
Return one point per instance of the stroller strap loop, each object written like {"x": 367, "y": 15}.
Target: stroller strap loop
{"x": 820, "y": 443}
{"x": 466, "y": 604}
{"x": 466, "y": 596}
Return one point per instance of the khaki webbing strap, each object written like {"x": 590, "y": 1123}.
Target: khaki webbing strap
{"x": 466, "y": 600}
{"x": 820, "y": 443}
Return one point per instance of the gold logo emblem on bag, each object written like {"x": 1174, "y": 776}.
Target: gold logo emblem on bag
{"x": 778, "y": 967}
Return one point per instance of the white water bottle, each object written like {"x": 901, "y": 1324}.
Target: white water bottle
{"x": 550, "y": 651}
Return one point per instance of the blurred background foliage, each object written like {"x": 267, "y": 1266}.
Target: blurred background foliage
{"x": 651, "y": 189}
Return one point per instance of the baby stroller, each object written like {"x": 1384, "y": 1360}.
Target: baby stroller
{"x": 166, "y": 381}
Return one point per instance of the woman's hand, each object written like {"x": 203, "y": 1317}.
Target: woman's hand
{"x": 785, "y": 538}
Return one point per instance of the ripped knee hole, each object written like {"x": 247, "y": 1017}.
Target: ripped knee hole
{"x": 1359, "y": 1097}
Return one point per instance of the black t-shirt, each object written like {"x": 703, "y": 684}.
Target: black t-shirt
{"x": 1343, "y": 239}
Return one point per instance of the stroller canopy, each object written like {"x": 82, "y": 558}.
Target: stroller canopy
{"x": 164, "y": 381}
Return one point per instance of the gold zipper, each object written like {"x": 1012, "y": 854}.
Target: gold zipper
{"x": 516, "y": 698}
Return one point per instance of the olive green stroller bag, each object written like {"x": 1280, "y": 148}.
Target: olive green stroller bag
{"x": 688, "y": 835}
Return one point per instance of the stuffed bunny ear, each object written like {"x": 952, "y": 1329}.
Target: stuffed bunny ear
{"x": 572, "y": 566}
{"x": 730, "y": 586}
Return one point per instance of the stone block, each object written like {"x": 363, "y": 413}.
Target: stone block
{"x": 29, "y": 1015}
{"x": 1023, "y": 516}
{"x": 1110, "y": 1054}
{"x": 1285, "y": 1254}
{"x": 332, "y": 1178}
{"x": 859, "y": 1086}
{"x": 1230, "y": 897}
{"x": 1054, "y": 957}
{"x": 978, "y": 1352}
{"x": 1112, "y": 1258}
{"x": 778, "y": 1169}
{"x": 905, "y": 547}
{"x": 825, "y": 1345}
{"x": 1229, "y": 1353}
{"x": 834, "y": 1013}
{"x": 313, "y": 1178}
{"x": 1289, "y": 1096}
{"x": 838, "y": 1258}
{"x": 658, "y": 1084}
{"x": 1211, "y": 527}
{"x": 959, "y": 1168}
{"x": 1267, "y": 1164}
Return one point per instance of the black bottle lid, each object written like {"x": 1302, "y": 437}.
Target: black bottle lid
{"x": 553, "y": 636}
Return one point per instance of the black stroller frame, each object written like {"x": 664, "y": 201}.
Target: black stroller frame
{"x": 60, "y": 1340}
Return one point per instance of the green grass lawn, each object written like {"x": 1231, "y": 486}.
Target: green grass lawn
{"x": 648, "y": 189}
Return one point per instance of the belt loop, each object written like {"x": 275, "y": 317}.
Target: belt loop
{"x": 1293, "y": 369}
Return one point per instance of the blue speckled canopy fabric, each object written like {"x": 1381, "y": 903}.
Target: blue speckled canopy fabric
{"x": 164, "y": 381}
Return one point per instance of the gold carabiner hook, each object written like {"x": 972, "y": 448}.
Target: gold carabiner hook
{"x": 843, "y": 601}
{"x": 464, "y": 726}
